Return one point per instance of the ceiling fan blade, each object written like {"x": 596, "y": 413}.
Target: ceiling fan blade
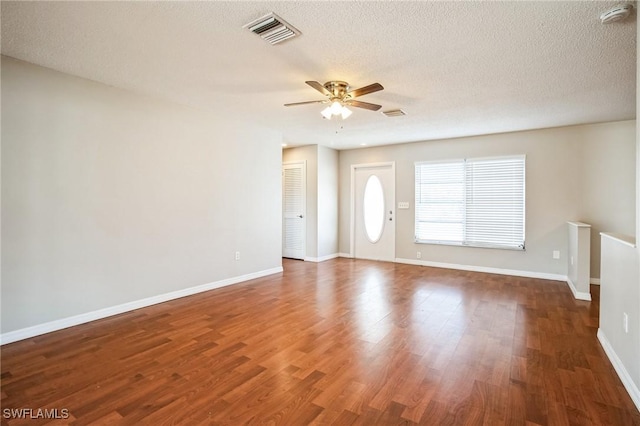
{"x": 319, "y": 87}
{"x": 375, "y": 87}
{"x": 307, "y": 102}
{"x": 365, "y": 105}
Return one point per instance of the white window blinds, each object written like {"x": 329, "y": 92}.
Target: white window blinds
{"x": 474, "y": 202}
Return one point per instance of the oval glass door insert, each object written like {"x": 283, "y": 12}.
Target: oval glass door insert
{"x": 373, "y": 209}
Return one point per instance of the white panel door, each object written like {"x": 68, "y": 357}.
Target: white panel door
{"x": 294, "y": 223}
{"x": 373, "y": 220}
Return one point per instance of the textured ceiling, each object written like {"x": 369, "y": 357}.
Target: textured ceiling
{"x": 456, "y": 68}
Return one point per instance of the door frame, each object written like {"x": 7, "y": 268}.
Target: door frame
{"x": 352, "y": 234}
{"x": 303, "y": 164}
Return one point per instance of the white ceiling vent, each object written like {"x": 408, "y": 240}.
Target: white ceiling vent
{"x": 394, "y": 113}
{"x": 272, "y": 28}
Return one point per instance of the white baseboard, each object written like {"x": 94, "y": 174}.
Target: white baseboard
{"x": 322, "y": 258}
{"x": 48, "y": 327}
{"x": 580, "y": 295}
{"x": 594, "y": 281}
{"x": 486, "y": 269}
{"x": 347, "y": 255}
{"x": 627, "y": 381}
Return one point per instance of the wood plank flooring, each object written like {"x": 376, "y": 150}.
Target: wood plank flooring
{"x": 339, "y": 342}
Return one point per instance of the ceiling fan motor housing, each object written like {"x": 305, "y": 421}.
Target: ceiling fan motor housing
{"x": 338, "y": 89}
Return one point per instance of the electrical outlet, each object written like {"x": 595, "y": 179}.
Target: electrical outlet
{"x": 625, "y": 322}
{"x": 556, "y": 254}
{"x": 418, "y": 255}
{"x": 237, "y": 255}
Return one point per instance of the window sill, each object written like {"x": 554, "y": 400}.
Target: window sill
{"x": 457, "y": 244}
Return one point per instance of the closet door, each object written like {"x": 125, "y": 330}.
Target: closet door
{"x": 293, "y": 210}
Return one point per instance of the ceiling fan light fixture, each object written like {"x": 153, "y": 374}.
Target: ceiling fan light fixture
{"x": 339, "y": 96}
{"x": 336, "y": 108}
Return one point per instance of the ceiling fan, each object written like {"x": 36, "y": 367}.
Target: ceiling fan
{"x": 339, "y": 95}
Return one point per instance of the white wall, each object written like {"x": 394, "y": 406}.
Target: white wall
{"x": 558, "y": 189}
{"x": 110, "y": 197}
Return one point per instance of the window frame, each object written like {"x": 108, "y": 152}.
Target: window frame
{"x": 464, "y": 242}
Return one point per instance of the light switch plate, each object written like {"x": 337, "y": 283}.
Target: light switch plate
{"x": 403, "y": 205}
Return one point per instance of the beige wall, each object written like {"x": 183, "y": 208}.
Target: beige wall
{"x": 328, "y": 167}
{"x": 308, "y": 154}
{"x": 110, "y": 197}
{"x": 620, "y": 291}
{"x": 608, "y": 167}
{"x": 321, "y": 198}
{"x": 620, "y": 294}
{"x": 569, "y": 170}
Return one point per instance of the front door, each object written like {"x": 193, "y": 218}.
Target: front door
{"x": 373, "y": 220}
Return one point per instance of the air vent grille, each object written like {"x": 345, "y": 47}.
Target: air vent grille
{"x": 272, "y": 29}
{"x": 394, "y": 113}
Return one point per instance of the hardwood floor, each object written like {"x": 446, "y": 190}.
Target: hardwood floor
{"x": 340, "y": 342}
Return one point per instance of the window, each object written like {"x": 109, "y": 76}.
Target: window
{"x": 373, "y": 209}
{"x": 473, "y": 202}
